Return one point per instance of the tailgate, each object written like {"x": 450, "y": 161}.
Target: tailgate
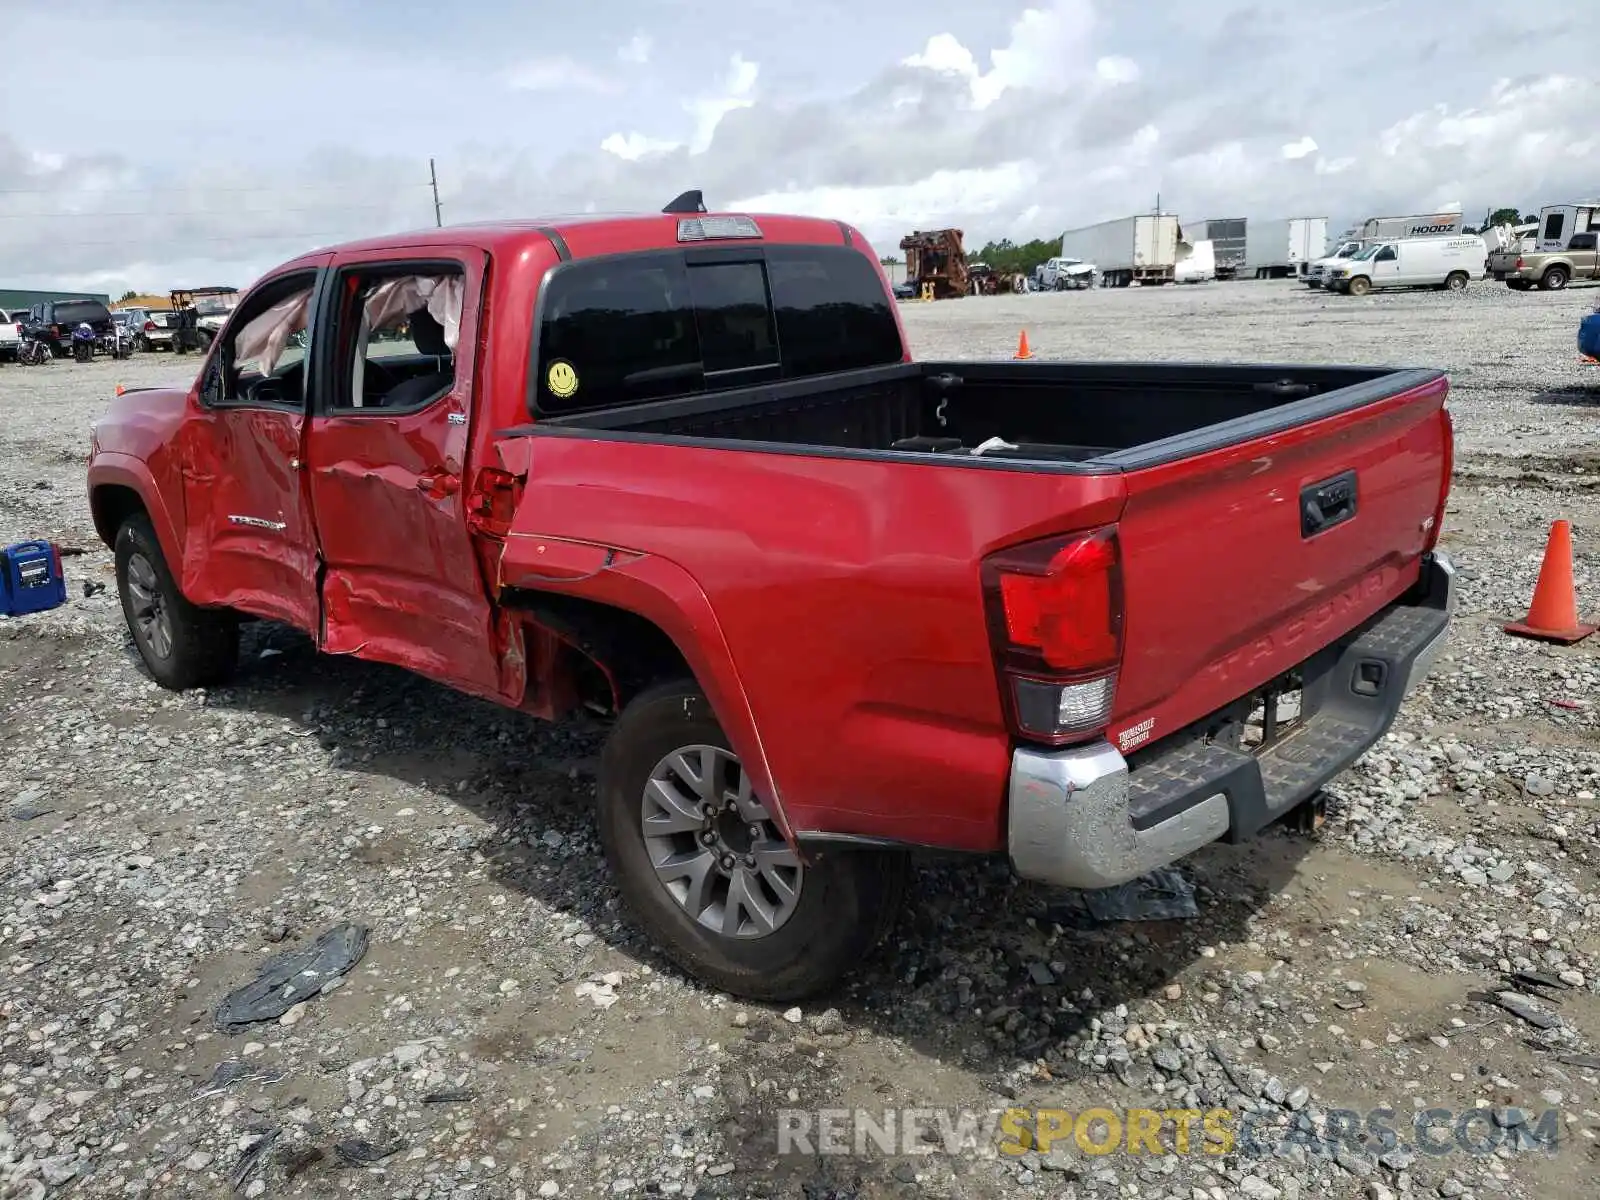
{"x": 1242, "y": 555}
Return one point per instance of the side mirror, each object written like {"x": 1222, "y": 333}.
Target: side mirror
{"x": 211, "y": 383}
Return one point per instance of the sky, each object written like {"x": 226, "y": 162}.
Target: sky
{"x": 202, "y": 144}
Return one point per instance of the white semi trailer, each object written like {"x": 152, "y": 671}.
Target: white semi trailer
{"x": 1141, "y": 249}
{"x": 1279, "y": 249}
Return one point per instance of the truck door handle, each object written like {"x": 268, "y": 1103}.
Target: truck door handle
{"x": 1326, "y": 504}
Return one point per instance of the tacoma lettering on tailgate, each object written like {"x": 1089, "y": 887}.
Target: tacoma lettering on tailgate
{"x": 1270, "y": 647}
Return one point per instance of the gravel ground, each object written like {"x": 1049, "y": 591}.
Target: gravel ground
{"x": 508, "y": 1035}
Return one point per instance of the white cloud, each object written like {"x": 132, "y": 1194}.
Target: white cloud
{"x": 631, "y": 147}
{"x": 557, "y": 75}
{"x": 922, "y": 203}
{"x": 636, "y": 50}
{"x": 1115, "y": 68}
{"x": 1046, "y": 48}
{"x": 1047, "y": 125}
{"x": 738, "y": 91}
{"x": 944, "y": 53}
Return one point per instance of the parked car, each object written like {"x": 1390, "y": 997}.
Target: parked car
{"x": 156, "y": 330}
{"x": 681, "y": 471}
{"x": 10, "y": 337}
{"x": 1449, "y": 263}
{"x": 1551, "y": 270}
{"x": 1058, "y": 274}
{"x": 53, "y": 321}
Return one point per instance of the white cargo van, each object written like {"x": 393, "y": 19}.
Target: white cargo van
{"x": 1436, "y": 262}
{"x": 1344, "y": 250}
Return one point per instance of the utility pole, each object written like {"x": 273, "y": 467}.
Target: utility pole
{"x": 433, "y": 178}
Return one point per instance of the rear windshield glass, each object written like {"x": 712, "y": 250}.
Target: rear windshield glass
{"x": 657, "y": 325}
{"x": 77, "y": 311}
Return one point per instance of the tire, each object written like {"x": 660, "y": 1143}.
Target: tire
{"x": 1457, "y": 281}
{"x": 1553, "y": 280}
{"x": 182, "y": 645}
{"x": 1359, "y": 286}
{"x": 846, "y": 900}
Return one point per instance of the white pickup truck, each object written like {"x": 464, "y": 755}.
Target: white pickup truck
{"x": 10, "y": 337}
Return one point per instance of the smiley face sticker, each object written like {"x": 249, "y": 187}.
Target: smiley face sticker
{"x": 561, "y": 379}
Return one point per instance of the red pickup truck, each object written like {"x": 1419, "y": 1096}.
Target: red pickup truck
{"x": 681, "y": 470}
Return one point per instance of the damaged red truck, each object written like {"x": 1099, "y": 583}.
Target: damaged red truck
{"x": 680, "y": 469}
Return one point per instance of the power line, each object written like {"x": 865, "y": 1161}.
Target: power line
{"x": 309, "y": 238}
{"x": 186, "y": 189}
{"x": 192, "y": 212}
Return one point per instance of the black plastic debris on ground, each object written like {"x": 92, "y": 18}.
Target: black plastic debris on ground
{"x": 1519, "y": 1005}
{"x": 1162, "y": 895}
{"x": 252, "y": 1160}
{"x": 459, "y": 1096}
{"x": 232, "y": 1072}
{"x": 289, "y": 978}
{"x": 355, "y": 1152}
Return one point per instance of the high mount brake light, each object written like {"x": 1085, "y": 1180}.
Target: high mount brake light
{"x": 701, "y": 229}
{"x": 1055, "y": 616}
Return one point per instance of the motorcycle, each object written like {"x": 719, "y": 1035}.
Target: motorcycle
{"x": 35, "y": 352}
{"x": 83, "y": 340}
{"x": 118, "y": 343}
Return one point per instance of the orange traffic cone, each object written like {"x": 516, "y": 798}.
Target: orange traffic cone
{"x": 1553, "y": 615}
{"x": 1022, "y": 347}
{"x": 119, "y": 389}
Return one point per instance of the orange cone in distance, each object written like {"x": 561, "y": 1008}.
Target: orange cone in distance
{"x": 1022, "y": 347}
{"x": 1553, "y": 615}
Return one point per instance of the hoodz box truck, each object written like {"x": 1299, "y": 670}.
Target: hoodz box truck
{"x": 1285, "y": 247}
{"x": 1142, "y": 249}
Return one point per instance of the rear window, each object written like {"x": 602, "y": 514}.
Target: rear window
{"x": 75, "y": 312}
{"x": 658, "y": 325}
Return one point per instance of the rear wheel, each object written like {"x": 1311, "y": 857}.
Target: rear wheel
{"x": 1457, "y": 282}
{"x": 1554, "y": 279}
{"x": 182, "y": 645}
{"x": 702, "y": 865}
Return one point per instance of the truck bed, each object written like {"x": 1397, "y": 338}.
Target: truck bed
{"x": 1262, "y": 512}
{"x": 1084, "y": 417}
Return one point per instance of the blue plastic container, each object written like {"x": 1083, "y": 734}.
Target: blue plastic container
{"x": 30, "y": 579}
{"x": 1589, "y": 336}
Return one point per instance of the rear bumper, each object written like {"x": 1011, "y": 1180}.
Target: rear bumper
{"x": 1084, "y": 818}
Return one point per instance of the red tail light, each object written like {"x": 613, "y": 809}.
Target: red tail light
{"x": 1055, "y": 617}
{"x": 1519, "y": 262}
{"x": 149, "y": 326}
{"x": 55, "y": 331}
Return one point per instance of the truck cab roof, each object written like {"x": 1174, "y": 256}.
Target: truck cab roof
{"x": 584, "y": 235}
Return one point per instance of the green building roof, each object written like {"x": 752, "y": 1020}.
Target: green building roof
{"x": 14, "y": 298}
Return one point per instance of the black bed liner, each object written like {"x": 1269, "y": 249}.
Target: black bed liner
{"x": 1080, "y": 418}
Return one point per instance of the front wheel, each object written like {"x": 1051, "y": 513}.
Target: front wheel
{"x": 703, "y": 867}
{"x": 182, "y": 645}
{"x": 1359, "y": 286}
